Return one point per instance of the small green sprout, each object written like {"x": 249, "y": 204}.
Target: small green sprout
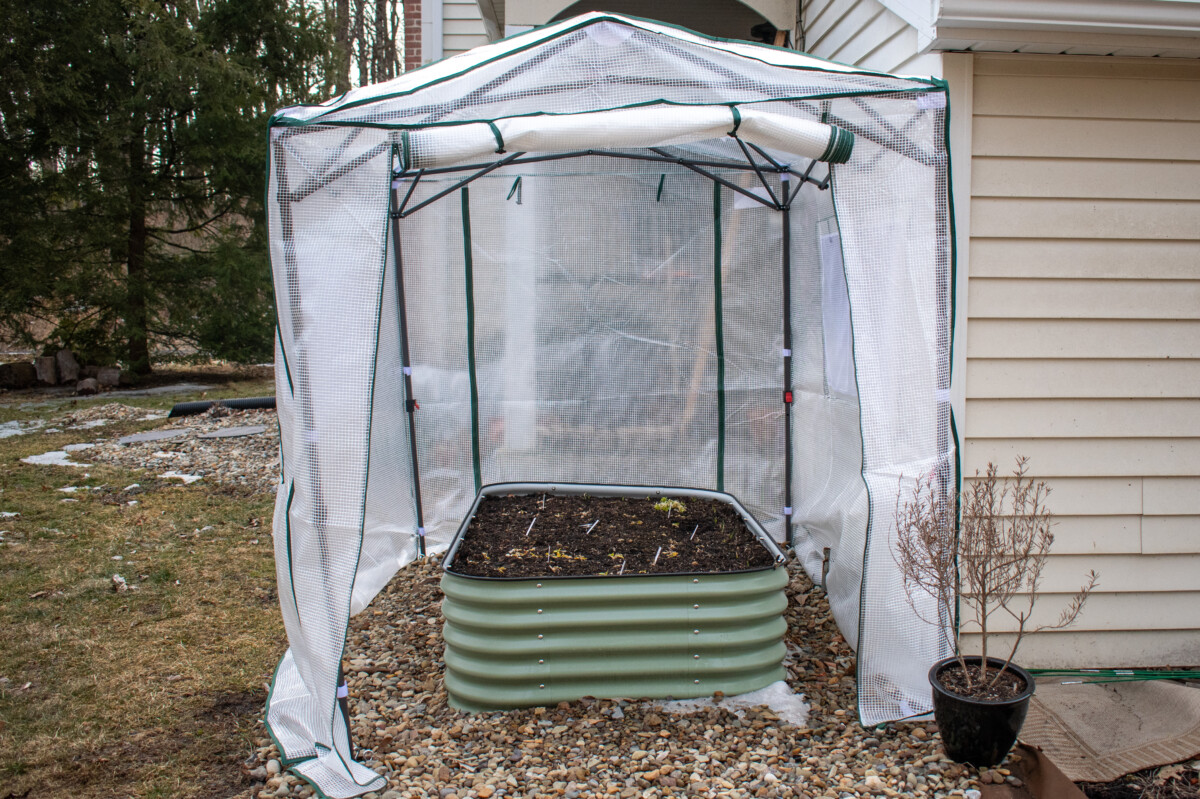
{"x": 668, "y": 505}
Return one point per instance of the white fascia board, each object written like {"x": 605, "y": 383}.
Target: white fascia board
{"x": 431, "y": 31}
{"x": 1146, "y": 17}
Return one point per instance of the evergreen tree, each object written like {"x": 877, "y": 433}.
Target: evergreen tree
{"x": 132, "y": 169}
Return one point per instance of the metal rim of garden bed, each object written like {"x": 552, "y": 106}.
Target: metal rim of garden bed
{"x": 608, "y": 490}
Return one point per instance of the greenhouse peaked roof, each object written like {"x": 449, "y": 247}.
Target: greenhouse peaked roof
{"x": 594, "y": 62}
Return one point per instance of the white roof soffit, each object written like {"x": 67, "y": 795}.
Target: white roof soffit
{"x": 1139, "y": 17}
{"x": 1084, "y": 27}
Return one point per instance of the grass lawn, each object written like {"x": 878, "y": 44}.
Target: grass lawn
{"x": 155, "y": 691}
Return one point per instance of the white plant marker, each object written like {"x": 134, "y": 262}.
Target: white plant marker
{"x": 543, "y": 501}
{"x": 622, "y": 567}
{"x": 531, "y": 525}
{"x": 656, "y": 554}
{"x": 693, "y": 535}
{"x": 593, "y": 527}
{"x": 669, "y": 507}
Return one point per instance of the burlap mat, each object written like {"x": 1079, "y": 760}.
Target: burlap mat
{"x": 1101, "y": 731}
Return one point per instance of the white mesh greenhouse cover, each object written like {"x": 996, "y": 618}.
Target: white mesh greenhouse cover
{"x": 606, "y": 251}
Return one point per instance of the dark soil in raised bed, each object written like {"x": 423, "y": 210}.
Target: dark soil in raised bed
{"x": 1008, "y": 686}
{"x": 605, "y": 536}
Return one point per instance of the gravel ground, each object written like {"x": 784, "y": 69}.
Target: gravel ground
{"x": 406, "y": 730}
{"x": 249, "y": 462}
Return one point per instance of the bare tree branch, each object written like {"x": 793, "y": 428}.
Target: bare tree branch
{"x": 993, "y": 562}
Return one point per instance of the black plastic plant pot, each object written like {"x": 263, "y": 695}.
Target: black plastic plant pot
{"x": 978, "y": 732}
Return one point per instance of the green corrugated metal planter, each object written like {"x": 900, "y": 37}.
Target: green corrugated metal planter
{"x": 520, "y": 642}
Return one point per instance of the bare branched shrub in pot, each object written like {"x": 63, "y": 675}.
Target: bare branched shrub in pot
{"x": 991, "y": 570}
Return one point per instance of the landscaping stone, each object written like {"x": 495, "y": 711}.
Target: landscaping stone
{"x": 68, "y": 367}
{"x": 47, "y": 370}
{"x": 17, "y": 375}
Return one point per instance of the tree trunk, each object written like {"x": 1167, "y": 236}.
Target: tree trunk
{"x": 380, "y": 67}
{"x": 136, "y": 317}
{"x": 341, "y": 46}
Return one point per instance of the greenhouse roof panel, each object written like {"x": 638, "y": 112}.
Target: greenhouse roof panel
{"x": 602, "y": 61}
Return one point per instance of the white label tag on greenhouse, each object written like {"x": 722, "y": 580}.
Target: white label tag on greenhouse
{"x": 931, "y": 100}
{"x": 835, "y": 316}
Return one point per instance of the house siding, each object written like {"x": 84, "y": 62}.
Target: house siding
{"x": 866, "y": 34}
{"x": 1083, "y": 334}
{"x": 462, "y": 27}
{"x": 1077, "y": 183}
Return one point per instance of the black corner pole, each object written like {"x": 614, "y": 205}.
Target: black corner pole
{"x": 410, "y": 402}
{"x": 787, "y": 370}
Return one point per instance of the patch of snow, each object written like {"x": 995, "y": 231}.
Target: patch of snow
{"x": 9, "y": 514}
{"x": 18, "y": 428}
{"x": 777, "y": 696}
{"x": 56, "y": 457}
{"x": 77, "y": 447}
{"x": 187, "y": 479}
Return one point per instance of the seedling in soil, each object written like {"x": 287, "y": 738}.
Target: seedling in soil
{"x": 668, "y": 504}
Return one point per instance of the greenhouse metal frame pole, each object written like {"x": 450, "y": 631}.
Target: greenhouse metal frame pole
{"x": 787, "y": 368}
{"x": 410, "y": 402}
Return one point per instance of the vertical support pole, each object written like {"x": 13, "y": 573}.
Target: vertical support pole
{"x": 469, "y": 279}
{"x": 787, "y": 364}
{"x": 410, "y": 402}
{"x": 719, "y": 334}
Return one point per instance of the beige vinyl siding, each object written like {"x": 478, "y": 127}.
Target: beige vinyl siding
{"x": 462, "y": 27}
{"x": 1083, "y": 334}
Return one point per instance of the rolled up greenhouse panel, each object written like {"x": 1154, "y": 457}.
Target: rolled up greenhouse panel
{"x": 650, "y": 126}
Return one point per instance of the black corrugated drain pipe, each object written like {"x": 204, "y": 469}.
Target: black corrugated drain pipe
{"x": 244, "y": 404}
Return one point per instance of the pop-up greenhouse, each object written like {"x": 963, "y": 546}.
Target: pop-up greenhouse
{"x": 607, "y": 251}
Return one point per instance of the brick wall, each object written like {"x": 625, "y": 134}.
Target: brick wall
{"x": 412, "y": 34}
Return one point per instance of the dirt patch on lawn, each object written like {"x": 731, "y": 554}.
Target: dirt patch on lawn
{"x": 561, "y": 536}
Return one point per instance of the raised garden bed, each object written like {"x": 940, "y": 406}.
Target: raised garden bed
{"x": 679, "y": 600}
